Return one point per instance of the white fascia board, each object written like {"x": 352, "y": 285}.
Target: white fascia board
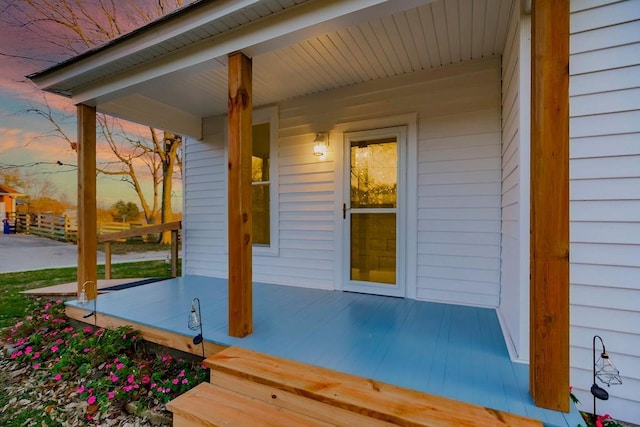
{"x": 152, "y": 37}
{"x": 150, "y": 112}
{"x": 270, "y": 33}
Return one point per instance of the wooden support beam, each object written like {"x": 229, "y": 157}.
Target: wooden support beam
{"x": 240, "y": 196}
{"x": 549, "y": 280}
{"x": 87, "y": 220}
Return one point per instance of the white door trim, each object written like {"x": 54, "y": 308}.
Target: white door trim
{"x": 409, "y": 239}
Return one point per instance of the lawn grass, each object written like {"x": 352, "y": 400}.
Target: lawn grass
{"x": 15, "y": 305}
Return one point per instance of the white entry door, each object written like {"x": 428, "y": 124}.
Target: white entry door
{"x": 373, "y": 211}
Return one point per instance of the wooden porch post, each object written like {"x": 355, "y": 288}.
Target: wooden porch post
{"x": 87, "y": 220}
{"x": 549, "y": 280}
{"x": 240, "y": 196}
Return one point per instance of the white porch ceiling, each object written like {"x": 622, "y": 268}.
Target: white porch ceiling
{"x": 401, "y": 36}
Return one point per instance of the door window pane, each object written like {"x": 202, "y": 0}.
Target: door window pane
{"x": 374, "y": 173}
{"x": 373, "y": 247}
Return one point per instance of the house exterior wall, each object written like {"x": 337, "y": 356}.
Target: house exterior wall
{"x": 514, "y": 279}
{"x": 457, "y": 218}
{"x": 605, "y": 197}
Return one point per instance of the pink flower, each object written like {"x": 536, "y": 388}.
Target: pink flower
{"x": 36, "y": 355}
{"x": 127, "y": 388}
{"x": 130, "y": 379}
{"x": 175, "y": 381}
{"x": 181, "y": 374}
{"x": 167, "y": 390}
{"x": 119, "y": 366}
{"x": 91, "y": 400}
{"x": 165, "y": 358}
{"x": 185, "y": 381}
{"x": 160, "y": 389}
{"x": 111, "y": 394}
{"x": 113, "y": 377}
{"x": 28, "y": 350}
{"x": 58, "y": 377}
{"x": 87, "y": 350}
{"x": 54, "y": 348}
{"x": 87, "y": 330}
{"x": 146, "y": 379}
{"x": 36, "y": 365}
{"x": 80, "y": 389}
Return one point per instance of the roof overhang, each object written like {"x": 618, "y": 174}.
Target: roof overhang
{"x": 172, "y": 73}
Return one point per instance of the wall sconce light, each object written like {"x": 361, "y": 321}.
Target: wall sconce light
{"x": 321, "y": 144}
{"x": 605, "y": 371}
{"x": 195, "y": 323}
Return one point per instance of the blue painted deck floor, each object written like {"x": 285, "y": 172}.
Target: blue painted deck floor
{"x": 447, "y": 350}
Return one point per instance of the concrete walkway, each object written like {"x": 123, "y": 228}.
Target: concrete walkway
{"x": 23, "y": 252}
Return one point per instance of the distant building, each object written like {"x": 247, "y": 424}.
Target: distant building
{"x": 8, "y": 198}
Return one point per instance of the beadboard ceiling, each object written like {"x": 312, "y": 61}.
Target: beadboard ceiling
{"x": 431, "y": 35}
{"x": 413, "y": 35}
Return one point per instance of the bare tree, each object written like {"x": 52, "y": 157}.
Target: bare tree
{"x": 69, "y": 27}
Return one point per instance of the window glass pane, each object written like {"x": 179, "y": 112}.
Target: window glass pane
{"x": 373, "y": 247}
{"x": 260, "y": 164}
{"x": 260, "y": 153}
{"x": 261, "y": 216}
{"x": 374, "y": 173}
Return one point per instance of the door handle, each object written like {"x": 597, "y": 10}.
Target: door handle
{"x": 344, "y": 211}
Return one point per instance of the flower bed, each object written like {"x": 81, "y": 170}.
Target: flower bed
{"x": 85, "y": 374}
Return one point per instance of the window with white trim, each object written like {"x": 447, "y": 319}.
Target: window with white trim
{"x": 264, "y": 174}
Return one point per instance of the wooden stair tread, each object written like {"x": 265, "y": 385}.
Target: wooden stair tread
{"x": 374, "y": 399}
{"x": 209, "y": 405}
{"x": 300, "y": 404}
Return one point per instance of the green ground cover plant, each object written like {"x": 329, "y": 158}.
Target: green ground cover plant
{"x": 55, "y": 373}
{"x": 90, "y": 373}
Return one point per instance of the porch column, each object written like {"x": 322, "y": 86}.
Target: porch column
{"x": 87, "y": 220}
{"x": 240, "y": 196}
{"x": 549, "y": 279}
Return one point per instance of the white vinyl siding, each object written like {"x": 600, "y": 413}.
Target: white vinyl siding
{"x": 605, "y": 197}
{"x": 514, "y": 280}
{"x": 458, "y": 161}
{"x": 459, "y": 188}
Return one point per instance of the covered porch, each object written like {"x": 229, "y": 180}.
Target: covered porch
{"x": 447, "y": 350}
{"x": 333, "y": 66}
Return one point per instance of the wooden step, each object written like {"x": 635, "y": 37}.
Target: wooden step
{"x": 365, "y": 397}
{"x": 211, "y": 406}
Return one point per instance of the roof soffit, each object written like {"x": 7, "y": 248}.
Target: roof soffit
{"x": 126, "y": 65}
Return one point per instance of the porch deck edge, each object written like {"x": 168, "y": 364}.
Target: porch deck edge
{"x": 155, "y": 335}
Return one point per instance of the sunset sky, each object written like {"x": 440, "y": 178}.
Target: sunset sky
{"x": 27, "y": 141}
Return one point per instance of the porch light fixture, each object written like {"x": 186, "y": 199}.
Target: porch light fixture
{"x": 321, "y": 144}
{"x": 603, "y": 370}
{"x": 195, "y": 323}
{"x": 83, "y": 300}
